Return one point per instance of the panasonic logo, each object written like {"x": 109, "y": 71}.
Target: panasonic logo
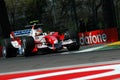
{"x": 22, "y": 32}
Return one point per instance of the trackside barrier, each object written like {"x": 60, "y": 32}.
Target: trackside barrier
{"x": 99, "y": 36}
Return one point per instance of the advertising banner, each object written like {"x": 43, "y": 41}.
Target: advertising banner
{"x": 99, "y": 36}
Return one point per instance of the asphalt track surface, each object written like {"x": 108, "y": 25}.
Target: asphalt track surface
{"x": 50, "y": 60}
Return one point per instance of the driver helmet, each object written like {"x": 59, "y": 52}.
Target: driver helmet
{"x": 38, "y": 31}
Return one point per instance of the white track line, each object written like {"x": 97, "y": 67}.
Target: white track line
{"x": 114, "y": 72}
{"x": 85, "y": 50}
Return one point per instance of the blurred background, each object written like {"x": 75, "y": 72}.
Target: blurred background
{"x": 59, "y": 14}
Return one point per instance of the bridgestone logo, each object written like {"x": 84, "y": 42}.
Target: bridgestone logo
{"x": 93, "y": 39}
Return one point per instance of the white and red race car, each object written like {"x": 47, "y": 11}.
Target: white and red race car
{"x": 28, "y": 41}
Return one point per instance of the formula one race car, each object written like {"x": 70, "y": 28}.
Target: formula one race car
{"x": 28, "y": 41}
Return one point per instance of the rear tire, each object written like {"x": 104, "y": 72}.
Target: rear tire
{"x": 27, "y": 46}
{"x": 8, "y": 50}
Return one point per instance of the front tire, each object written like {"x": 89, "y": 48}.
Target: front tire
{"x": 27, "y": 46}
{"x": 73, "y": 35}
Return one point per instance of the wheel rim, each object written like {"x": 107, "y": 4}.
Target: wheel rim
{"x": 23, "y": 46}
{"x": 22, "y": 50}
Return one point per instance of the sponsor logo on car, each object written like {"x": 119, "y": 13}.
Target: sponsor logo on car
{"x": 22, "y": 32}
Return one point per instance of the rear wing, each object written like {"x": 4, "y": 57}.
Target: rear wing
{"x": 25, "y": 32}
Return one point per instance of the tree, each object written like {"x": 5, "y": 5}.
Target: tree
{"x": 93, "y": 7}
{"x": 35, "y": 9}
{"x": 109, "y": 13}
{"x": 4, "y": 21}
{"x": 73, "y": 7}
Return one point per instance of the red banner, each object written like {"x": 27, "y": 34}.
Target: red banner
{"x": 99, "y": 36}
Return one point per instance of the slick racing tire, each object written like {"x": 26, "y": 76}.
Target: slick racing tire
{"x": 73, "y": 35}
{"x": 27, "y": 46}
{"x": 8, "y": 50}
